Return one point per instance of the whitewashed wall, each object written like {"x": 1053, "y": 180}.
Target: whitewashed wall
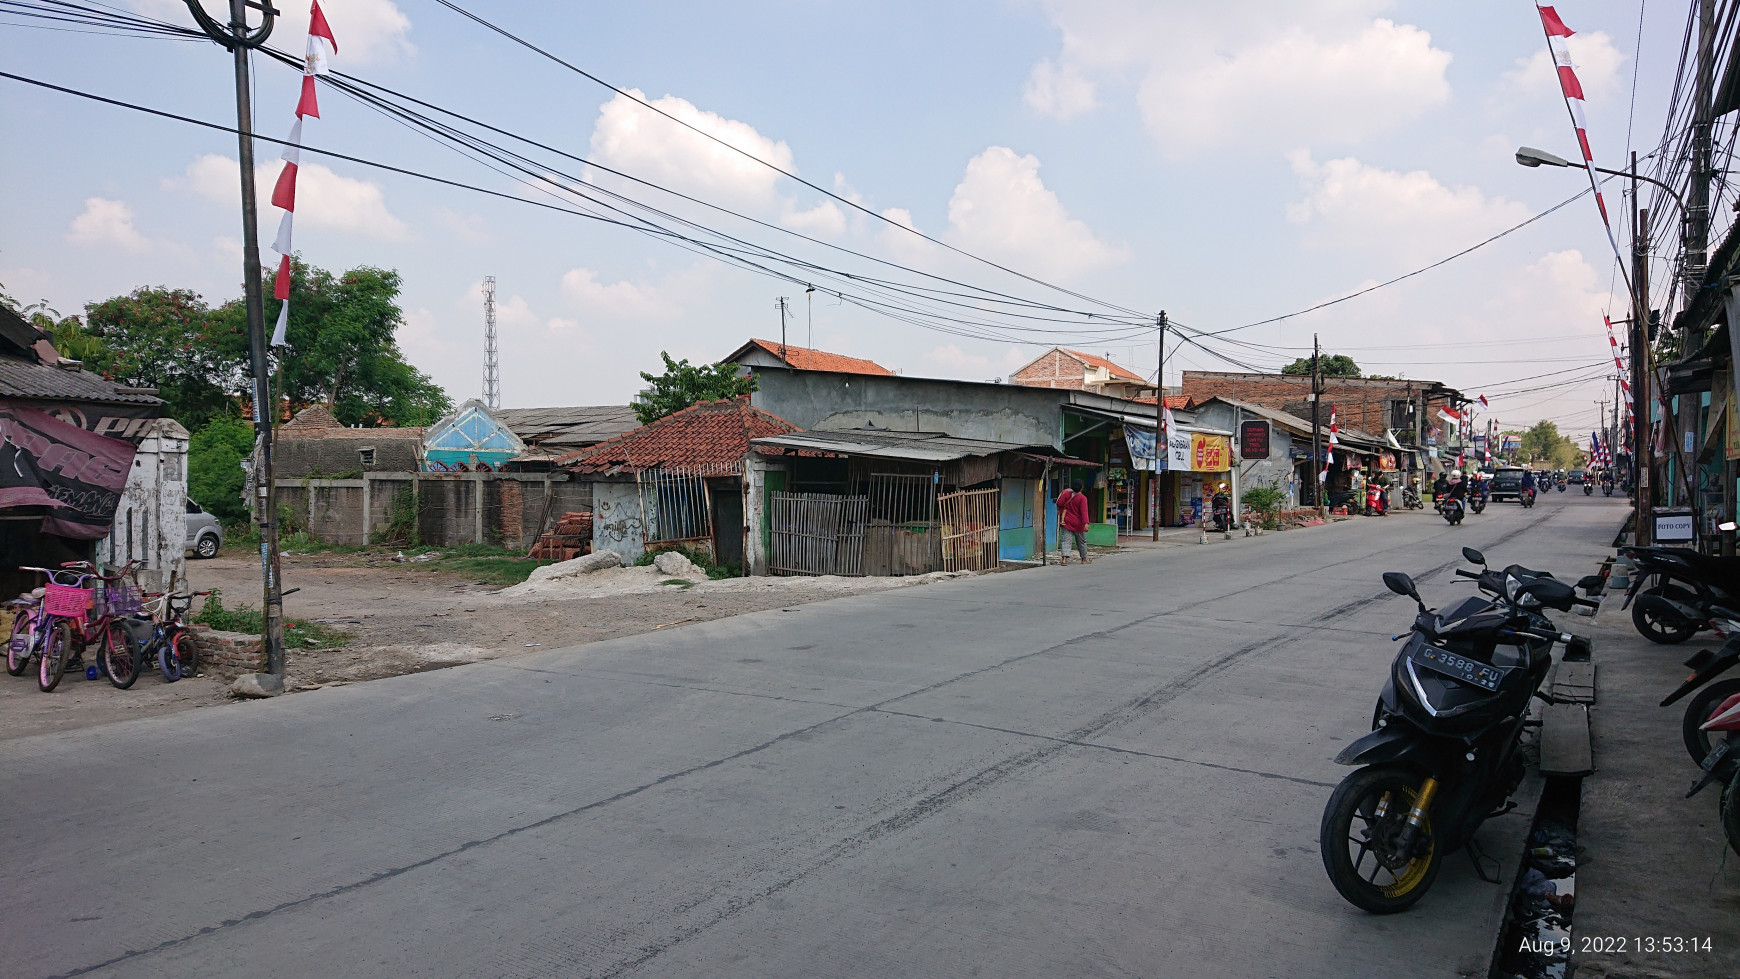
{"x": 151, "y": 522}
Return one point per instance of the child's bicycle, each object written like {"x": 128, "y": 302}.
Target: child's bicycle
{"x": 66, "y": 621}
{"x": 166, "y": 641}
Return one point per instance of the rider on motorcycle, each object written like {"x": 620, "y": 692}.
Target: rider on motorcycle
{"x": 1528, "y": 482}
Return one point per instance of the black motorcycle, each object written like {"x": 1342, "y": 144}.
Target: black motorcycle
{"x": 1452, "y": 509}
{"x": 1674, "y": 590}
{"x": 1588, "y": 488}
{"x": 1607, "y": 487}
{"x": 1526, "y": 497}
{"x": 1411, "y": 499}
{"x": 1477, "y": 501}
{"x": 1442, "y": 756}
{"x": 1220, "y": 508}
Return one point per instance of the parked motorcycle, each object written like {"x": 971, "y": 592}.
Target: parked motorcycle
{"x": 1442, "y": 757}
{"x": 1221, "y": 509}
{"x": 1723, "y": 721}
{"x": 1411, "y": 498}
{"x": 1679, "y": 589}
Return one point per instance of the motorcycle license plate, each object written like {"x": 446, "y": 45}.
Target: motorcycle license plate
{"x": 1716, "y": 755}
{"x": 1460, "y": 668}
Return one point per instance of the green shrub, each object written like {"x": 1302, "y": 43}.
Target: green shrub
{"x": 1267, "y": 501}
{"x": 214, "y": 467}
{"x": 298, "y": 633}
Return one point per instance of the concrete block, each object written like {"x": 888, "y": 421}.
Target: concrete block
{"x": 1565, "y": 748}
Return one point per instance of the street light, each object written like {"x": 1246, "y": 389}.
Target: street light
{"x": 1528, "y": 156}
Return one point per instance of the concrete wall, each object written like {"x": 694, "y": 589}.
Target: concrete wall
{"x": 453, "y": 508}
{"x": 996, "y": 412}
{"x": 617, "y": 521}
{"x": 151, "y": 520}
{"x": 1277, "y": 471}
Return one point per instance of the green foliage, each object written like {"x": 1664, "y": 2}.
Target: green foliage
{"x": 214, "y": 467}
{"x": 170, "y": 340}
{"x": 298, "y": 633}
{"x": 402, "y": 524}
{"x": 342, "y": 332}
{"x": 683, "y": 384}
{"x": 1267, "y": 501}
{"x": 1329, "y": 365}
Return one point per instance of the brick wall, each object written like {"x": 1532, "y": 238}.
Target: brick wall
{"x": 228, "y": 653}
{"x": 510, "y": 518}
{"x": 1361, "y": 403}
{"x": 1054, "y": 370}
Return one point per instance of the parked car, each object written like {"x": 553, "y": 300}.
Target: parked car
{"x": 1576, "y": 476}
{"x": 204, "y": 534}
{"x": 1507, "y": 483}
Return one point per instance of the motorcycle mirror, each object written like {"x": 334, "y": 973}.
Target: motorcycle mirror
{"x": 1473, "y": 556}
{"x": 1401, "y": 584}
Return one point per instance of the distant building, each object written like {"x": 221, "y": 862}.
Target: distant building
{"x": 1060, "y": 367}
{"x": 314, "y": 443}
{"x": 770, "y": 353}
{"x": 471, "y": 439}
{"x": 553, "y": 432}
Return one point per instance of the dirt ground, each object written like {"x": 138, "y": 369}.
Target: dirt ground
{"x": 408, "y": 618}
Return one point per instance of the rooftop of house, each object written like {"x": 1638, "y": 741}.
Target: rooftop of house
{"x": 709, "y": 434}
{"x": 806, "y": 359}
{"x": 1118, "y": 372}
{"x": 31, "y": 368}
{"x": 317, "y": 422}
{"x": 571, "y": 427}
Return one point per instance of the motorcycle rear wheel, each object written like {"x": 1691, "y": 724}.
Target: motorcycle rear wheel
{"x": 1659, "y": 630}
{"x": 1352, "y": 823}
{"x": 1731, "y": 813}
{"x": 1700, "y": 743}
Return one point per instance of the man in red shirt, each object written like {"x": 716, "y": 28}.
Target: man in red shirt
{"x": 1072, "y": 513}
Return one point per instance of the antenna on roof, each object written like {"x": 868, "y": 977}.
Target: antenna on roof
{"x": 810, "y": 297}
{"x": 781, "y": 307}
{"x": 491, "y": 369}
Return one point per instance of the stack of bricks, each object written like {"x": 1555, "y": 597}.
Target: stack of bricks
{"x": 228, "y": 653}
{"x": 571, "y": 538}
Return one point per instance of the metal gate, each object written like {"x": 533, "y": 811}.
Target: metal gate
{"x": 817, "y": 533}
{"x": 969, "y": 529}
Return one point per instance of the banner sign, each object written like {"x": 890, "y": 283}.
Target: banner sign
{"x": 1210, "y": 453}
{"x": 1254, "y": 440}
{"x": 77, "y": 474}
{"x": 1141, "y": 444}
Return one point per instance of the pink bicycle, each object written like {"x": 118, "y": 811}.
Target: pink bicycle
{"x": 60, "y": 620}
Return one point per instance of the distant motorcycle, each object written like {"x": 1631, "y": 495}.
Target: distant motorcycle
{"x": 1377, "y": 501}
{"x": 1588, "y": 489}
{"x": 1411, "y": 499}
{"x": 1526, "y": 497}
{"x": 1452, "y": 510}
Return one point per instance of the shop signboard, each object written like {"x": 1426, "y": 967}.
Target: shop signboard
{"x": 1254, "y": 440}
{"x": 1210, "y": 453}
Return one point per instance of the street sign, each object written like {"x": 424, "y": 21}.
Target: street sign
{"x": 1254, "y": 440}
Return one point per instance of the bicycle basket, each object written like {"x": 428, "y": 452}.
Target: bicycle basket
{"x": 119, "y": 599}
{"x": 66, "y": 600}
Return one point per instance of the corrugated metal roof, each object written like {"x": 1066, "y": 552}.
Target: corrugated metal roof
{"x": 578, "y": 426}
{"x": 22, "y": 379}
{"x": 916, "y": 446}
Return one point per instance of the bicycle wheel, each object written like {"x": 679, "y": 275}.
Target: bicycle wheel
{"x": 169, "y": 662}
{"x": 19, "y": 644}
{"x": 187, "y": 650}
{"x": 56, "y": 650}
{"x": 118, "y": 656}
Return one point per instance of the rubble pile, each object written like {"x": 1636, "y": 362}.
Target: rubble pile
{"x": 571, "y": 538}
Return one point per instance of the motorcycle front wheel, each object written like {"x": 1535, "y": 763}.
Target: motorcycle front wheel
{"x": 1658, "y": 629}
{"x": 1359, "y": 834}
{"x": 1731, "y": 814}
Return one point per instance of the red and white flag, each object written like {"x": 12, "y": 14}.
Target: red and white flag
{"x": 1334, "y": 440}
{"x": 1572, "y": 88}
{"x": 1483, "y": 403}
{"x": 284, "y": 191}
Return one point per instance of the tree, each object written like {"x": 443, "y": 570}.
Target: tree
{"x": 683, "y": 384}
{"x": 1540, "y": 441}
{"x": 170, "y": 340}
{"x": 1328, "y": 365}
{"x": 214, "y": 467}
{"x": 343, "y": 352}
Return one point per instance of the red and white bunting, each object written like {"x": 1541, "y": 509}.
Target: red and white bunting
{"x": 284, "y": 191}
{"x": 1572, "y": 88}
{"x": 1334, "y": 440}
{"x": 1618, "y": 362}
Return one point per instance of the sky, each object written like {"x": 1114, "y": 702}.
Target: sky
{"x": 1225, "y": 162}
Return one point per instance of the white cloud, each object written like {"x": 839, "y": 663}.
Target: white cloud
{"x": 1002, "y": 210}
{"x": 368, "y": 31}
{"x": 616, "y": 300}
{"x": 825, "y": 220}
{"x": 106, "y": 222}
{"x": 631, "y": 138}
{"x": 324, "y": 199}
{"x": 1596, "y": 59}
{"x": 1061, "y": 93}
{"x": 1263, "y": 72}
{"x": 1411, "y": 216}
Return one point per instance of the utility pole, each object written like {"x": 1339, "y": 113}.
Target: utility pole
{"x": 781, "y": 306}
{"x": 1317, "y": 482}
{"x": 1642, "y": 451}
{"x": 239, "y": 39}
{"x": 1162, "y": 438}
{"x": 810, "y": 300}
{"x": 491, "y": 370}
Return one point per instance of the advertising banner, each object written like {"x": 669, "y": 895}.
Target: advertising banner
{"x": 77, "y": 474}
{"x": 1210, "y": 453}
{"x": 1141, "y": 445}
{"x": 1254, "y": 440}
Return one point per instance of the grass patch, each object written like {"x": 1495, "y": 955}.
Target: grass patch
{"x": 680, "y": 582}
{"x": 247, "y": 538}
{"x": 298, "y": 633}
{"x": 495, "y": 570}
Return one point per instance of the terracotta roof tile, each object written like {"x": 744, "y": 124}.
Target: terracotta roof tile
{"x": 1172, "y": 401}
{"x": 1122, "y": 373}
{"x": 805, "y": 359}
{"x": 712, "y": 433}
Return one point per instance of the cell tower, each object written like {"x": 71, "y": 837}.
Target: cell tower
{"x": 491, "y": 370}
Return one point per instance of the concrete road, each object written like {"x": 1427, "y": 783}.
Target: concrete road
{"x": 1115, "y": 770}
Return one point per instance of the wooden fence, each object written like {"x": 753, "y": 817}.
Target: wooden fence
{"x": 969, "y": 529}
{"x": 818, "y": 533}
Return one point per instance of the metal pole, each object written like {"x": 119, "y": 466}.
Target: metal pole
{"x": 1642, "y": 450}
{"x": 253, "y": 299}
{"x": 1318, "y": 485}
{"x": 1160, "y": 433}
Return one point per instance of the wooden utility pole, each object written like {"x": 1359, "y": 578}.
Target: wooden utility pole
{"x": 1161, "y": 436}
{"x": 1318, "y": 483}
{"x": 1642, "y": 451}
